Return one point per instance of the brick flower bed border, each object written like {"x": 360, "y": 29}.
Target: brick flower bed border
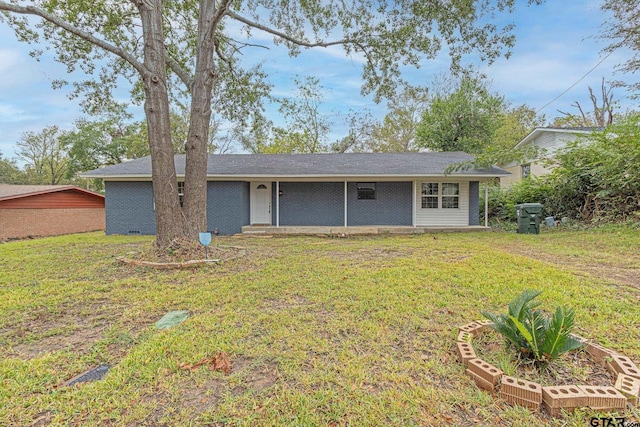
{"x": 555, "y": 399}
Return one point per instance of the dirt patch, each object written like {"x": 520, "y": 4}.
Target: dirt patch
{"x": 43, "y": 335}
{"x": 159, "y": 401}
{"x": 74, "y": 328}
{"x": 184, "y": 250}
{"x": 201, "y": 397}
{"x": 202, "y": 390}
{"x": 575, "y": 367}
{"x": 42, "y": 419}
{"x": 256, "y": 375}
{"x": 283, "y": 304}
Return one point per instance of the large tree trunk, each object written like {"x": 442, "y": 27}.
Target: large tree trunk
{"x": 170, "y": 222}
{"x": 195, "y": 192}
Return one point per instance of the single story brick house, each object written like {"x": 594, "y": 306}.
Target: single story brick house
{"x": 273, "y": 191}
{"x": 48, "y": 210}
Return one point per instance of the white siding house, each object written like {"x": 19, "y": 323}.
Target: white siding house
{"x": 551, "y": 139}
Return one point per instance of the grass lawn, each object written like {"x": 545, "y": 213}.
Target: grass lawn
{"x": 320, "y": 331}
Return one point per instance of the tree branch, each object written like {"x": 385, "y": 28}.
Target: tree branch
{"x": 179, "y": 70}
{"x": 223, "y": 10}
{"x": 284, "y": 36}
{"x": 31, "y": 10}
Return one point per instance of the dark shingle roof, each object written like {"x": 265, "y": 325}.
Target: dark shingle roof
{"x": 308, "y": 165}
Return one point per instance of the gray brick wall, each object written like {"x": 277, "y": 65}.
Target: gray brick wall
{"x": 312, "y": 203}
{"x": 227, "y": 206}
{"x": 129, "y": 208}
{"x": 474, "y": 203}
{"x": 392, "y": 205}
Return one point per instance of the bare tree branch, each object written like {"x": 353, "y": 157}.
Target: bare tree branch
{"x": 284, "y": 36}
{"x": 223, "y": 10}
{"x": 179, "y": 70}
{"x": 31, "y": 10}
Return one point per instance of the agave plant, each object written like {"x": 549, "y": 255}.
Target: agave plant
{"x": 532, "y": 332}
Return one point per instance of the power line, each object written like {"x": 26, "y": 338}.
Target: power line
{"x": 578, "y": 81}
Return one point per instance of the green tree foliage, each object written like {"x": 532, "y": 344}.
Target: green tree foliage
{"x": 463, "y": 117}
{"x": 307, "y": 128}
{"x": 9, "y": 172}
{"x": 45, "y": 156}
{"x": 622, "y": 29}
{"x": 395, "y": 133}
{"x": 190, "y": 50}
{"x": 515, "y": 123}
{"x": 600, "y": 176}
{"x": 532, "y": 333}
{"x": 94, "y": 144}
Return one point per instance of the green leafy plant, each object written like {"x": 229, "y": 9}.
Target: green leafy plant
{"x": 532, "y": 332}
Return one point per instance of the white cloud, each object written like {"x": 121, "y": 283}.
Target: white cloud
{"x": 11, "y": 114}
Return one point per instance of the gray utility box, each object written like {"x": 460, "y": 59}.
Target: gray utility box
{"x": 528, "y": 215}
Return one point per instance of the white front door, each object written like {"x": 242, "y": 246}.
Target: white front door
{"x": 261, "y": 203}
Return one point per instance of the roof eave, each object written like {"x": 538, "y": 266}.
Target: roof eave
{"x": 51, "y": 190}
{"x": 311, "y": 176}
{"x": 536, "y": 131}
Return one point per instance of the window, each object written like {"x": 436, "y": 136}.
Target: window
{"x": 450, "y": 195}
{"x": 444, "y": 195}
{"x": 526, "y": 171}
{"x": 181, "y": 192}
{"x": 366, "y": 191}
{"x": 430, "y": 195}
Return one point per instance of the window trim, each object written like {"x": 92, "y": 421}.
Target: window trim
{"x": 428, "y": 195}
{"x": 451, "y": 200}
{"x": 181, "y": 193}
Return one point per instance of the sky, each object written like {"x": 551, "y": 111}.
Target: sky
{"x": 556, "y": 45}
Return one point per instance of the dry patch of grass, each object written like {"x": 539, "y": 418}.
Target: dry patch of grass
{"x": 355, "y": 331}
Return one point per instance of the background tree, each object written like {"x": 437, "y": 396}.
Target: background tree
{"x": 45, "y": 156}
{"x": 307, "y": 128}
{"x": 622, "y": 29}
{"x": 395, "y": 133}
{"x": 168, "y": 50}
{"x": 515, "y": 124}
{"x": 255, "y": 137}
{"x": 461, "y": 117}
{"x": 601, "y": 115}
{"x": 9, "y": 172}
{"x": 359, "y": 137}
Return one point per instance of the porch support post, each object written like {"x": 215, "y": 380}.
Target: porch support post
{"x": 486, "y": 203}
{"x": 277, "y": 203}
{"x": 345, "y": 204}
{"x": 414, "y": 196}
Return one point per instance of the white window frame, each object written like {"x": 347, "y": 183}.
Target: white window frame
{"x": 451, "y": 200}
{"x": 181, "y": 192}
{"x": 425, "y": 195}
